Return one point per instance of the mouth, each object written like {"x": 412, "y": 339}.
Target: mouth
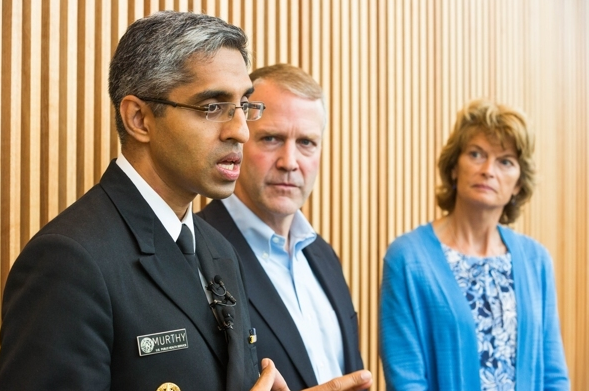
{"x": 484, "y": 187}
{"x": 229, "y": 166}
{"x": 286, "y": 187}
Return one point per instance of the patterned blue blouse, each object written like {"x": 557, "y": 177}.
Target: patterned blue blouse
{"x": 487, "y": 284}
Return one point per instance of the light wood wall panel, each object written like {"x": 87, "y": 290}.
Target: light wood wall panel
{"x": 394, "y": 74}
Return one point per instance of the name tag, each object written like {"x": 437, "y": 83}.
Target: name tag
{"x": 166, "y": 341}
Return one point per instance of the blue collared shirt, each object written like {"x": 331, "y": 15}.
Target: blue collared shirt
{"x": 296, "y": 284}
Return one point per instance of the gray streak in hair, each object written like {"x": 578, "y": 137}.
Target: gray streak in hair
{"x": 151, "y": 57}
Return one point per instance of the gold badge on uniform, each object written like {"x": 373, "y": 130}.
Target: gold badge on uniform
{"x": 168, "y": 387}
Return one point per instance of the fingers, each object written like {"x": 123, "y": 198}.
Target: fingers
{"x": 279, "y": 382}
{"x": 270, "y": 379}
{"x": 356, "y": 381}
{"x": 266, "y": 379}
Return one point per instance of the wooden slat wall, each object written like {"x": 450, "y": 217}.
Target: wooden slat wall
{"x": 394, "y": 73}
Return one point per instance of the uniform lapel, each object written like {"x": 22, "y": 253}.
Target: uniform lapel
{"x": 182, "y": 285}
{"x": 162, "y": 259}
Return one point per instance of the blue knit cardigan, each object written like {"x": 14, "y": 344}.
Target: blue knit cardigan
{"x": 427, "y": 331}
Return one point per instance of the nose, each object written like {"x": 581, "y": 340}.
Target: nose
{"x": 287, "y": 159}
{"x": 236, "y": 128}
{"x": 488, "y": 167}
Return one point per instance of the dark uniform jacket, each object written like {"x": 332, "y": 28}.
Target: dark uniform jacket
{"x": 103, "y": 273}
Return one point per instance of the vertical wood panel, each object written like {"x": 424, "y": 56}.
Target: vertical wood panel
{"x": 361, "y": 198}
{"x": 372, "y": 184}
{"x": 294, "y": 26}
{"x": 10, "y": 112}
{"x": 272, "y": 39}
{"x": 439, "y": 124}
{"x": 312, "y": 207}
{"x": 582, "y": 381}
{"x": 102, "y": 133}
{"x": 421, "y": 114}
{"x": 50, "y": 110}
{"x": 389, "y": 162}
{"x": 405, "y": 113}
{"x": 30, "y": 125}
{"x": 394, "y": 74}
{"x": 382, "y": 164}
{"x": 323, "y": 224}
{"x": 67, "y": 116}
{"x": 222, "y": 9}
{"x": 567, "y": 150}
{"x": 334, "y": 125}
{"x": 411, "y": 106}
{"x": 398, "y": 92}
{"x": 85, "y": 69}
{"x": 429, "y": 91}
{"x": 258, "y": 34}
{"x": 344, "y": 162}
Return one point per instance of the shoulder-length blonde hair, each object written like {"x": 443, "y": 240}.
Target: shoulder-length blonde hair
{"x": 497, "y": 122}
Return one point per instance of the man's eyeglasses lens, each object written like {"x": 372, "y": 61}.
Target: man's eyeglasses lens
{"x": 224, "y": 111}
{"x": 218, "y": 112}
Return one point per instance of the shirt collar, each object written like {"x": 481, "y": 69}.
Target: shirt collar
{"x": 258, "y": 234}
{"x": 162, "y": 210}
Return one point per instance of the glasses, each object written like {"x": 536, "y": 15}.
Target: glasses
{"x": 218, "y": 112}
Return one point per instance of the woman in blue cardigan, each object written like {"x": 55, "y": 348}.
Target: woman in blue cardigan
{"x": 467, "y": 303}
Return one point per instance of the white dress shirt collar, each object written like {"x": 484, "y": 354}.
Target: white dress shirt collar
{"x": 162, "y": 210}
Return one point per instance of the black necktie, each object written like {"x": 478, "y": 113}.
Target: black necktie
{"x": 186, "y": 243}
{"x": 236, "y": 363}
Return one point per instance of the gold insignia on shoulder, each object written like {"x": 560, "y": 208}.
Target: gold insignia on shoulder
{"x": 168, "y": 387}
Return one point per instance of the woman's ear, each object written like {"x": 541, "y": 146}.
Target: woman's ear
{"x": 137, "y": 118}
{"x": 517, "y": 189}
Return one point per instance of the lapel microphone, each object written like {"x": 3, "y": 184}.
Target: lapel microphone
{"x": 222, "y": 303}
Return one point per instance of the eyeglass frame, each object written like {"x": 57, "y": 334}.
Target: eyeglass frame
{"x": 206, "y": 108}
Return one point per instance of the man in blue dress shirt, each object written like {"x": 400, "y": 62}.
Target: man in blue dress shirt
{"x": 299, "y": 300}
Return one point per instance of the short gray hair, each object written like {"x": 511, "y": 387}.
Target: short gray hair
{"x": 150, "y": 59}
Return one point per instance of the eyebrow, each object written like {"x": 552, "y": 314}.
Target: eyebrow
{"x": 217, "y": 94}
{"x": 279, "y": 132}
{"x": 507, "y": 153}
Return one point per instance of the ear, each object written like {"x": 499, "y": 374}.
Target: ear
{"x": 137, "y": 118}
{"x": 453, "y": 174}
{"x": 517, "y": 189}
